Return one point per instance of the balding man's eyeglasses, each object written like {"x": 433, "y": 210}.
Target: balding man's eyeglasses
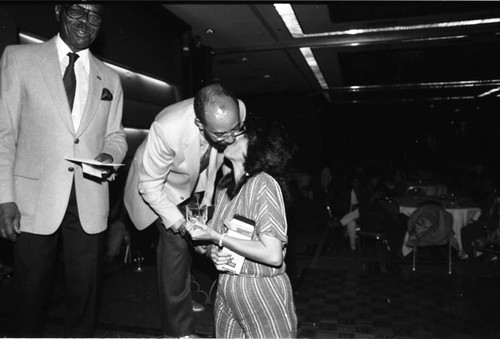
{"x": 220, "y": 137}
{"x": 77, "y": 12}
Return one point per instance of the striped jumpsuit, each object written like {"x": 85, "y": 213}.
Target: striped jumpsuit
{"x": 258, "y": 303}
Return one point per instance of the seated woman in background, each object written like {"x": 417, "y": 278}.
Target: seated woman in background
{"x": 257, "y": 302}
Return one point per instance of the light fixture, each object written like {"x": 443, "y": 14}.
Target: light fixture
{"x": 290, "y": 19}
{"x": 491, "y": 91}
{"x": 313, "y": 65}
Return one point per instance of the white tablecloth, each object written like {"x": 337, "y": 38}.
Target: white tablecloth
{"x": 430, "y": 189}
{"x": 461, "y": 216}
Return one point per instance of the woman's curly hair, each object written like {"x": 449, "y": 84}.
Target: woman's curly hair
{"x": 269, "y": 150}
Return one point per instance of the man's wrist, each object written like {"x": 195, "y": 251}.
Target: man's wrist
{"x": 182, "y": 229}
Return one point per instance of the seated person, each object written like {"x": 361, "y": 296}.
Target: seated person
{"x": 361, "y": 198}
{"x": 484, "y": 231}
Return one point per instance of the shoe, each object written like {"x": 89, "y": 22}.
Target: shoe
{"x": 197, "y": 307}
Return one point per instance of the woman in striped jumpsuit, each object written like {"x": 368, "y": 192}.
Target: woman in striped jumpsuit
{"x": 257, "y": 302}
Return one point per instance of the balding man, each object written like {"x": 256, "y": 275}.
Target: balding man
{"x": 177, "y": 162}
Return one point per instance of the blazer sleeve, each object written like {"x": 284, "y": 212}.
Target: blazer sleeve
{"x": 10, "y": 110}
{"x": 115, "y": 142}
{"x": 157, "y": 163}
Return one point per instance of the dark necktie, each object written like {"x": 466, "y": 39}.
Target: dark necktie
{"x": 205, "y": 159}
{"x": 69, "y": 79}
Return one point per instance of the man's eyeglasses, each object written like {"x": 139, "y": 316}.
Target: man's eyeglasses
{"x": 220, "y": 137}
{"x": 77, "y": 12}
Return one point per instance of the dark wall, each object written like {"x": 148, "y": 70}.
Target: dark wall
{"x": 8, "y": 31}
{"x": 144, "y": 37}
{"x": 301, "y": 115}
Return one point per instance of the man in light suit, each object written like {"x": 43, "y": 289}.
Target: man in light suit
{"x": 44, "y": 198}
{"x": 180, "y": 159}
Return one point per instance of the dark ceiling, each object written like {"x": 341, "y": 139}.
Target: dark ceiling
{"x": 424, "y": 51}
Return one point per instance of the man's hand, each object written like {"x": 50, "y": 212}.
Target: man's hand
{"x": 10, "y": 221}
{"x": 181, "y": 229}
{"x": 106, "y": 158}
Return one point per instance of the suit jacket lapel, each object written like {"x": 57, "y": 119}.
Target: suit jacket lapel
{"x": 51, "y": 71}
{"x": 96, "y": 85}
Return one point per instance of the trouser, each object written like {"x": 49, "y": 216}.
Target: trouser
{"x": 350, "y": 221}
{"x": 34, "y": 262}
{"x": 174, "y": 259}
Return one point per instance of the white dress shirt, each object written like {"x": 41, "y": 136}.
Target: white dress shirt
{"x": 82, "y": 78}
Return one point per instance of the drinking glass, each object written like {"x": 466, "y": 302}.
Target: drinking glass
{"x": 196, "y": 213}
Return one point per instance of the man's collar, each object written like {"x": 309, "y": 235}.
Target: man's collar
{"x": 63, "y": 50}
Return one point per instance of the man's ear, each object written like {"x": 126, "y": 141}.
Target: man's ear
{"x": 199, "y": 124}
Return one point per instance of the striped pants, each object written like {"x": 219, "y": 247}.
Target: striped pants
{"x": 255, "y": 307}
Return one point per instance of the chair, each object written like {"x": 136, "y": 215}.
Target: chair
{"x": 431, "y": 225}
{"x": 380, "y": 216}
{"x": 381, "y": 245}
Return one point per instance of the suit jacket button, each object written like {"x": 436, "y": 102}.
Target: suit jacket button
{"x": 77, "y": 141}
{"x": 71, "y": 169}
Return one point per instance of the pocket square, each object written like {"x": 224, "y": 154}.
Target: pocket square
{"x": 106, "y": 95}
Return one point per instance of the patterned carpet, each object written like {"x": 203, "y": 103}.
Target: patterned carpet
{"x": 343, "y": 304}
{"x": 333, "y": 302}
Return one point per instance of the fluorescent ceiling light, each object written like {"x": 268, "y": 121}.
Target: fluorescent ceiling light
{"x": 288, "y": 15}
{"x": 491, "y": 91}
{"x": 290, "y": 19}
{"x": 311, "y": 61}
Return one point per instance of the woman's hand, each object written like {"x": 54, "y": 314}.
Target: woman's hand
{"x": 200, "y": 231}
{"x": 219, "y": 257}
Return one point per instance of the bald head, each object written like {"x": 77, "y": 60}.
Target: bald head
{"x": 213, "y": 96}
{"x": 217, "y": 114}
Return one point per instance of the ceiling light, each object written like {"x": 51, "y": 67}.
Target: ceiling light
{"x": 267, "y": 76}
{"x": 209, "y": 31}
{"x": 491, "y": 91}
{"x": 313, "y": 64}
{"x": 291, "y": 22}
{"x": 288, "y": 15}
{"x": 290, "y": 19}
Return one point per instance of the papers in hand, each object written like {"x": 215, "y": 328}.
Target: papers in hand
{"x": 241, "y": 228}
{"x": 93, "y": 167}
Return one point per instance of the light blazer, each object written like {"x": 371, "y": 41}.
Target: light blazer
{"x": 36, "y": 133}
{"x": 166, "y": 167}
